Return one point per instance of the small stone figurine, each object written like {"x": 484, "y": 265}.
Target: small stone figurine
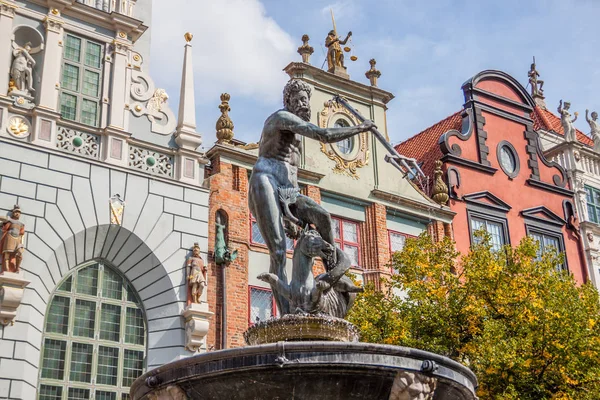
{"x": 11, "y": 243}
{"x": 567, "y": 122}
{"x": 196, "y": 274}
{"x": 595, "y": 128}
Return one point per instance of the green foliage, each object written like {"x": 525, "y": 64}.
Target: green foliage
{"x": 528, "y": 331}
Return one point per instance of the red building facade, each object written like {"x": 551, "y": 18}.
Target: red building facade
{"x": 497, "y": 175}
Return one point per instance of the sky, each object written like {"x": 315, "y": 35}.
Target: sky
{"x": 424, "y": 49}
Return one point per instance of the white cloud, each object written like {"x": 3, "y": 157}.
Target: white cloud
{"x": 237, "y": 48}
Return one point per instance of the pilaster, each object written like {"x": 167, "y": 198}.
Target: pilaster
{"x": 53, "y": 50}
{"x": 7, "y": 15}
{"x": 118, "y": 85}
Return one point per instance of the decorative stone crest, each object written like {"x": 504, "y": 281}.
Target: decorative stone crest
{"x": 18, "y": 127}
{"x": 567, "y": 121}
{"x": 372, "y": 74}
{"x": 151, "y": 102}
{"x": 594, "y": 128}
{"x": 439, "y": 192}
{"x": 224, "y": 124}
{"x": 117, "y": 206}
{"x": 305, "y": 50}
{"x": 346, "y": 164}
{"x": 412, "y": 386}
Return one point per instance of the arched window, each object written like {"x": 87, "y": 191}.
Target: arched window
{"x": 94, "y": 342}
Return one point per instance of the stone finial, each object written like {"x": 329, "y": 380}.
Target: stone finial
{"x": 305, "y": 50}
{"x": 186, "y": 136}
{"x": 536, "y": 86}
{"x": 439, "y": 193}
{"x": 373, "y": 73}
{"x": 224, "y": 123}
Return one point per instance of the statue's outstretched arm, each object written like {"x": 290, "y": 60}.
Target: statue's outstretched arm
{"x": 293, "y": 123}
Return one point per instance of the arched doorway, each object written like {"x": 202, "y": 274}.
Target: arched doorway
{"x": 94, "y": 341}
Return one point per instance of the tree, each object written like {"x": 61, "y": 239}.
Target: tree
{"x": 526, "y": 328}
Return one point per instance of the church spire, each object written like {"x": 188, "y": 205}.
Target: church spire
{"x": 186, "y": 135}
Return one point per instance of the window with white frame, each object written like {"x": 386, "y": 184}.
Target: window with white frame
{"x": 593, "y": 203}
{"x": 347, "y": 238}
{"x": 496, "y": 230}
{"x": 94, "y": 341}
{"x": 81, "y": 81}
{"x": 262, "y": 305}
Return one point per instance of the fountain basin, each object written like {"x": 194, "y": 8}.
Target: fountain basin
{"x": 293, "y": 327}
{"x": 310, "y": 370}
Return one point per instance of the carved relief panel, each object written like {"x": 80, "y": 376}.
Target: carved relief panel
{"x": 349, "y": 154}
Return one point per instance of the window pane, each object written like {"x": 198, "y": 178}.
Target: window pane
{"x": 68, "y": 106}
{"x": 592, "y": 215}
{"x": 89, "y": 112}
{"x": 352, "y": 252}
{"x": 111, "y": 322}
{"x": 85, "y": 318}
{"x": 87, "y": 280}
{"x": 596, "y": 196}
{"x": 256, "y": 235}
{"x": 102, "y": 395}
{"x": 72, "y": 48}
{"x": 112, "y": 285}
{"x": 131, "y": 296}
{"x": 57, "y": 320}
{"x": 396, "y": 242}
{"x": 134, "y": 326}
{"x": 66, "y": 285}
{"x": 70, "y": 79}
{"x": 81, "y": 362}
{"x": 133, "y": 366}
{"x": 336, "y": 228}
{"x": 476, "y": 225}
{"x": 53, "y": 363}
{"x": 93, "y": 53}
{"x": 261, "y": 305}
{"x": 91, "y": 83}
{"x": 495, "y": 231}
{"x": 350, "y": 232}
{"x": 48, "y": 392}
{"x": 79, "y": 394}
{"x": 108, "y": 363}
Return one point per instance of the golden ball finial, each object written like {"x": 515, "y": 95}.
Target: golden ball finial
{"x": 188, "y": 37}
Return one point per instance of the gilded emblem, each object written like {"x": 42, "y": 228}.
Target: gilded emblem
{"x": 18, "y": 127}
{"x": 351, "y": 154}
{"x": 117, "y": 206}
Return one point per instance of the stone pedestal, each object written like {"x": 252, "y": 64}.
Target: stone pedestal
{"x": 339, "y": 71}
{"x": 197, "y": 319}
{"x": 12, "y": 287}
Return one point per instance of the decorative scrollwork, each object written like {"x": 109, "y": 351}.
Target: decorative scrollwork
{"x": 152, "y": 102}
{"x": 151, "y": 161}
{"x": 82, "y": 143}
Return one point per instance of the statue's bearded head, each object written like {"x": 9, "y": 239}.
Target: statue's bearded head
{"x": 594, "y": 115}
{"x": 296, "y": 98}
{"x": 567, "y": 105}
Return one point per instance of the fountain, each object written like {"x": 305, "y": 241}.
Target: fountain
{"x": 311, "y": 352}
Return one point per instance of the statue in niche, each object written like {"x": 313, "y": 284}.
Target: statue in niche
{"x": 223, "y": 254}
{"x": 567, "y": 122}
{"x": 274, "y": 197}
{"x": 595, "y": 128}
{"x": 11, "y": 243}
{"x": 196, "y": 274}
{"x": 335, "y": 55}
{"x": 21, "y": 71}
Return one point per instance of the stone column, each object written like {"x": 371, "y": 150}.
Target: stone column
{"x": 119, "y": 82}
{"x": 7, "y": 15}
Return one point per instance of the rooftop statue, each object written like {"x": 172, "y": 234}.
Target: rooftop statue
{"x": 567, "y": 122}
{"x": 536, "y": 83}
{"x": 595, "y": 128}
{"x": 335, "y": 55}
{"x": 274, "y": 197}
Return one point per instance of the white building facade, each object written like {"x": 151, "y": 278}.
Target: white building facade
{"x": 109, "y": 183}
